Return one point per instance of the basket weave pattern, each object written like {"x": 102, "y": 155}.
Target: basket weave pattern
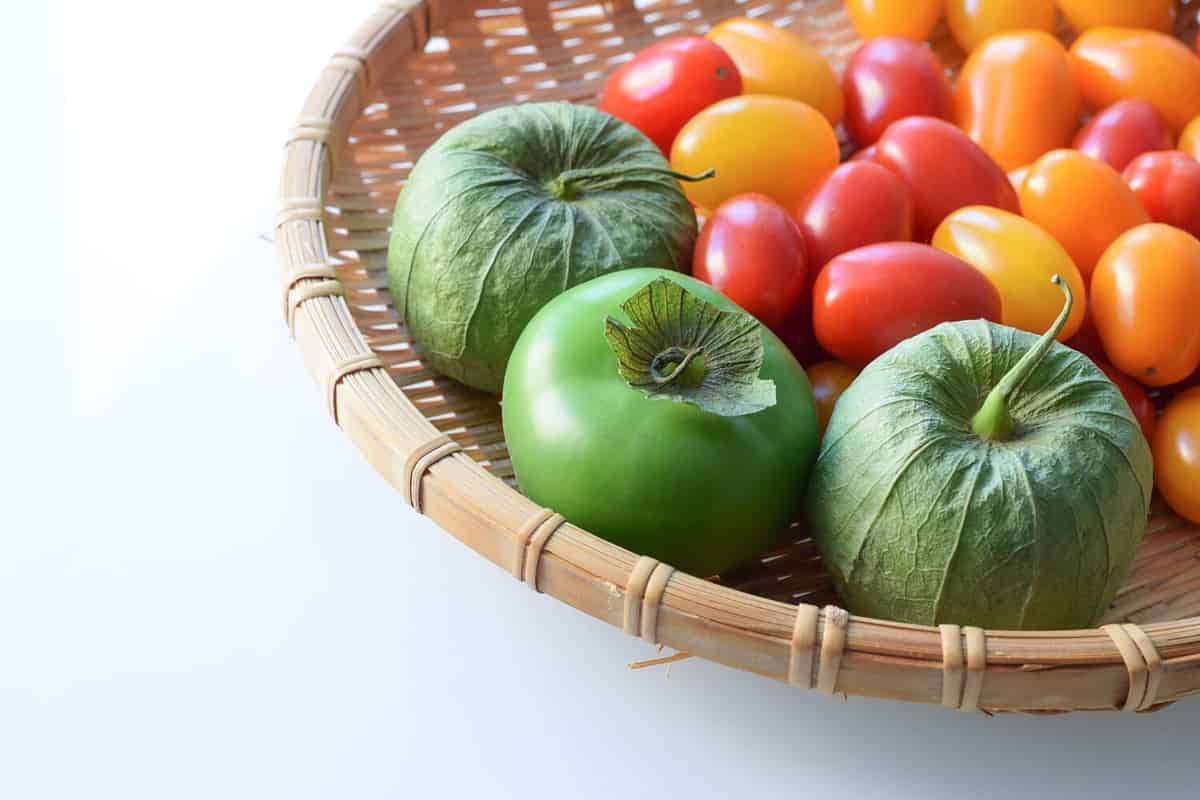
{"x": 413, "y": 70}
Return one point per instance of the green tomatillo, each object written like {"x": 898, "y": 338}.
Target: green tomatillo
{"x": 980, "y": 475}
{"x": 650, "y": 410}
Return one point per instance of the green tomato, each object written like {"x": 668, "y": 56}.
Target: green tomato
{"x": 699, "y": 490}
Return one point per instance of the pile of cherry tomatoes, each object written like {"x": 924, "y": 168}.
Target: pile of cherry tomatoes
{"x": 962, "y": 198}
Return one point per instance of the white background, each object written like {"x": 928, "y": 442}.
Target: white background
{"x": 206, "y": 593}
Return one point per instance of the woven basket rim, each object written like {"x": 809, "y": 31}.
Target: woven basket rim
{"x": 1133, "y": 667}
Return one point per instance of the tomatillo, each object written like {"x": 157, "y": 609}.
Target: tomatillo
{"x": 650, "y": 410}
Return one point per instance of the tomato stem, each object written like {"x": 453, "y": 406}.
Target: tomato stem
{"x": 993, "y": 420}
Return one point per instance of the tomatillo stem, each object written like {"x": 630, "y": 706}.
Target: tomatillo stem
{"x": 993, "y": 420}
{"x": 567, "y": 185}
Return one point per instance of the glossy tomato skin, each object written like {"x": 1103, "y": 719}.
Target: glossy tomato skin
{"x": 888, "y": 79}
{"x": 1189, "y": 140}
{"x": 1114, "y": 64}
{"x": 972, "y": 21}
{"x": 1020, "y": 259}
{"x": 858, "y": 204}
{"x": 772, "y": 145}
{"x": 1177, "y": 455}
{"x": 1168, "y": 186}
{"x": 777, "y": 62}
{"x": 1122, "y": 132}
{"x": 1081, "y": 202}
{"x": 665, "y": 85}
{"x": 829, "y": 380}
{"x": 752, "y": 251}
{"x": 1017, "y": 177}
{"x": 867, "y": 301}
{"x": 865, "y": 154}
{"x": 1135, "y": 395}
{"x": 912, "y": 19}
{"x": 944, "y": 169}
{"x": 1145, "y": 296}
{"x": 1016, "y": 97}
{"x": 1083, "y": 15}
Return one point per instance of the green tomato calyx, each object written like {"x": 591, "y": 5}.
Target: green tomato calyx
{"x": 569, "y": 184}
{"x": 682, "y": 348}
{"x": 993, "y": 420}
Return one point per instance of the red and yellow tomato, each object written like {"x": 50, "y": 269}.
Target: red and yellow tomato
{"x": 1016, "y": 97}
{"x": 1081, "y": 202}
{"x": 1177, "y": 455}
{"x": 665, "y": 85}
{"x": 753, "y": 252}
{"x": 1114, "y": 64}
{"x": 1168, "y": 186}
{"x": 944, "y": 168}
{"x": 867, "y": 301}
{"x": 772, "y": 145}
{"x": 1145, "y": 293}
{"x": 1122, "y": 132}
{"x": 972, "y": 21}
{"x": 829, "y": 379}
{"x": 912, "y": 19}
{"x": 860, "y": 203}
{"x": 888, "y": 79}
{"x": 778, "y": 62}
{"x": 1019, "y": 258}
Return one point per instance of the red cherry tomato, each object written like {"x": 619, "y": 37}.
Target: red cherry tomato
{"x": 858, "y": 204}
{"x": 797, "y": 333}
{"x": 945, "y": 169}
{"x": 666, "y": 84}
{"x": 753, "y": 252}
{"x": 866, "y": 154}
{"x": 1139, "y": 402}
{"x": 1168, "y": 185}
{"x": 867, "y": 301}
{"x": 1122, "y": 132}
{"x": 1087, "y": 340}
{"x": 888, "y": 79}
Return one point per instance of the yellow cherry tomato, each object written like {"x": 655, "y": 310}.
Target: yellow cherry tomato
{"x": 1083, "y": 15}
{"x": 1081, "y": 202}
{"x": 1114, "y": 64}
{"x": 1145, "y": 296}
{"x": 779, "y": 147}
{"x": 1019, "y": 258}
{"x": 829, "y": 379}
{"x": 1017, "y": 176}
{"x": 1017, "y": 98}
{"x": 1189, "y": 142}
{"x": 774, "y": 61}
{"x": 1177, "y": 455}
{"x": 972, "y": 21}
{"x": 912, "y": 19}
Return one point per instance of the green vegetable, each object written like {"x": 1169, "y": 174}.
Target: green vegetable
{"x": 979, "y": 475}
{"x": 515, "y": 206}
{"x": 650, "y": 410}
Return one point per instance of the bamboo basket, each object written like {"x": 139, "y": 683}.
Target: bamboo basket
{"x": 413, "y": 70}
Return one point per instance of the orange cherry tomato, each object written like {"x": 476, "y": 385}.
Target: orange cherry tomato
{"x": 829, "y": 379}
{"x": 1139, "y": 402}
{"x": 1082, "y": 202}
{"x": 1017, "y": 176}
{"x": 1114, "y": 64}
{"x": 1019, "y": 258}
{"x": 972, "y": 21}
{"x": 1145, "y": 296}
{"x": 1083, "y": 15}
{"x": 1189, "y": 141}
{"x": 1177, "y": 455}
{"x": 1016, "y": 97}
{"x": 772, "y": 145}
{"x": 912, "y": 19}
{"x": 778, "y": 62}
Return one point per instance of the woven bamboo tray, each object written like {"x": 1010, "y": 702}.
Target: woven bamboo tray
{"x": 413, "y": 70}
